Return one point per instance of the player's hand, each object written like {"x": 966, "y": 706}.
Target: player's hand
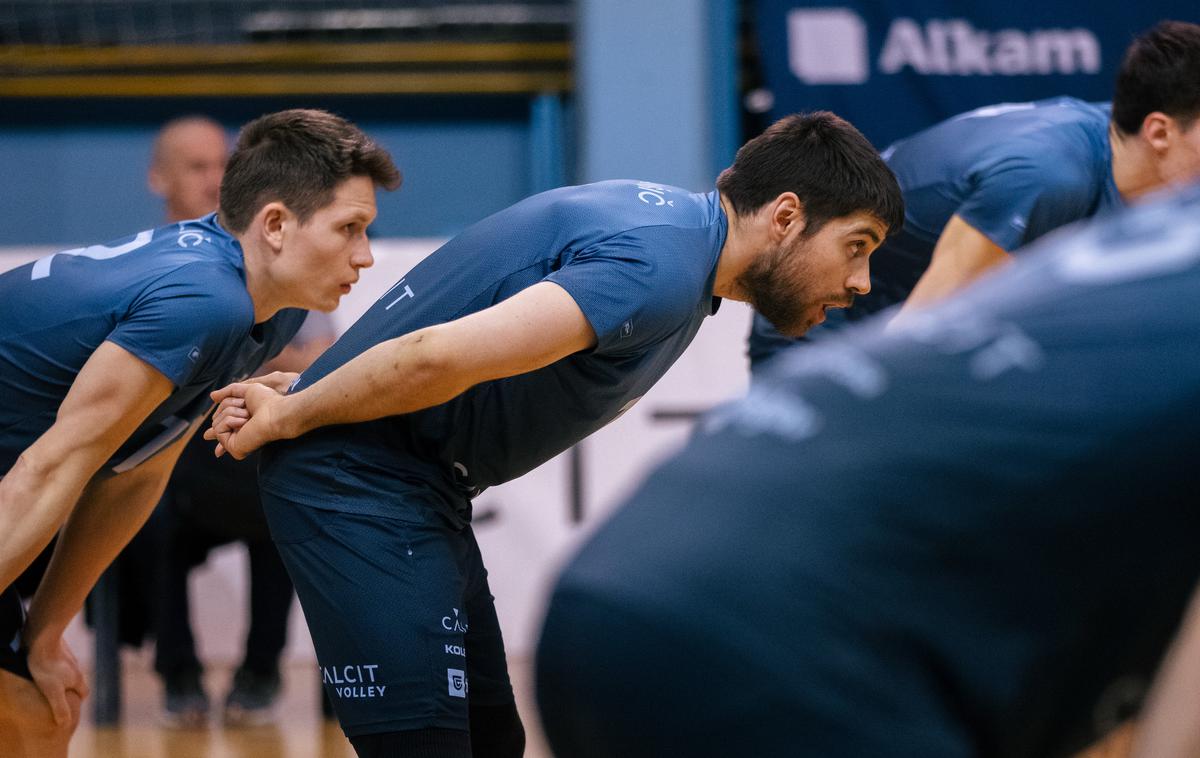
{"x": 56, "y": 672}
{"x": 280, "y": 381}
{"x": 245, "y": 418}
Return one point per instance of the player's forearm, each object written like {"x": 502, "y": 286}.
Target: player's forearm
{"x": 1170, "y": 725}
{"x": 36, "y": 496}
{"x": 402, "y": 375}
{"x": 107, "y": 516}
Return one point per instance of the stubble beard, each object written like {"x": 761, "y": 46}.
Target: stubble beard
{"x": 778, "y": 284}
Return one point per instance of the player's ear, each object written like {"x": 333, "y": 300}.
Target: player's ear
{"x": 273, "y": 217}
{"x": 786, "y": 215}
{"x": 1157, "y": 130}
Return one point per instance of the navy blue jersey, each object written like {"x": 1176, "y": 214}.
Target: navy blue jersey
{"x": 639, "y": 259}
{"x": 1013, "y": 172}
{"x": 175, "y": 297}
{"x": 972, "y": 536}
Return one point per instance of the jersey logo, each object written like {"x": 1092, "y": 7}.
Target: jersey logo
{"x": 454, "y": 624}
{"x": 191, "y": 239}
{"x": 627, "y": 329}
{"x": 406, "y": 292}
{"x": 456, "y": 680}
{"x": 654, "y": 194}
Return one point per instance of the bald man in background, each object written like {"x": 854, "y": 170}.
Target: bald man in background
{"x": 187, "y": 165}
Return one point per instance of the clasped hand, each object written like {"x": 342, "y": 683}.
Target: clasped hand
{"x": 244, "y": 419}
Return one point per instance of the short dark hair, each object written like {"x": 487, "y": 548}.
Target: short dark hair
{"x": 1160, "y": 72}
{"x": 298, "y": 157}
{"x": 829, "y": 164}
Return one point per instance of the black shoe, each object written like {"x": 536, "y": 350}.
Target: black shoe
{"x": 186, "y": 702}
{"x": 250, "y": 701}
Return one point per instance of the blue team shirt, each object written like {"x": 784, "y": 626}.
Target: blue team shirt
{"x": 638, "y": 258}
{"x": 1014, "y": 172}
{"x": 175, "y": 297}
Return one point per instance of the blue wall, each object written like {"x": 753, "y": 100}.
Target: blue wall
{"x": 75, "y": 172}
{"x": 657, "y": 90}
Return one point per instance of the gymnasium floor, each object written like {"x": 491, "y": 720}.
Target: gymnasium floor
{"x": 300, "y": 732}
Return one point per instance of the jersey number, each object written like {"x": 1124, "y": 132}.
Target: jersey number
{"x": 41, "y": 268}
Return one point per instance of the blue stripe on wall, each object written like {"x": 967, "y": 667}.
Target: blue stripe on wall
{"x": 75, "y": 172}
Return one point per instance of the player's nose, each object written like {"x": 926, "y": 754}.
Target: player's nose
{"x": 860, "y": 279}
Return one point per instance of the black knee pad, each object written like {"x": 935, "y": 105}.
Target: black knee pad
{"x": 496, "y": 731}
{"x": 417, "y": 743}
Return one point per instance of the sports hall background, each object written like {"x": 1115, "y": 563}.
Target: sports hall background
{"x": 483, "y": 103}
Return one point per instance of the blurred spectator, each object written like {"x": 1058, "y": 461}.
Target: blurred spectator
{"x": 187, "y": 165}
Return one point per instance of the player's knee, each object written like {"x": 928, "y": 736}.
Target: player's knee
{"x": 27, "y": 728}
{"x": 75, "y": 704}
{"x": 496, "y": 731}
{"x": 427, "y": 743}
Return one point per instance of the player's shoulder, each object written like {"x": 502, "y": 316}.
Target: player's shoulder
{"x": 1062, "y": 144}
{"x": 200, "y": 262}
{"x": 621, "y": 205}
{"x": 1072, "y": 109}
{"x": 201, "y": 241}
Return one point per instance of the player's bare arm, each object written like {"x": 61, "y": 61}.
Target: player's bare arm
{"x": 1169, "y": 725}
{"x": 962, "y": 254}
{"x": 108, "y": 514}
{"x": 111, "y": 396}
{"x": 424, "y": 368}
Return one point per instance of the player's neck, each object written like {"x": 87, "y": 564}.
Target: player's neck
{"x": 1135, "y": 170}
{"x": 260, "y": 285}
{"x": 742, "y": 242}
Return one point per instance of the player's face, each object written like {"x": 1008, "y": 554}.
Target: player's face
{"x": 794, "y": 284}
{"x": 191, "y": 171}
{"x": 326, "y": 253}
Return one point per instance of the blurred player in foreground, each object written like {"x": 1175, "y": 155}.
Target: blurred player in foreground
{"x": 971, "y": 535}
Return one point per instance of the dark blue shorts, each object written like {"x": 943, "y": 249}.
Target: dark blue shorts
{"x": 401, "y": 615}
{"x": 12, "y": 621}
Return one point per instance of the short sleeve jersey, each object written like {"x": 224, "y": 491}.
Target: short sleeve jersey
{"x": 639, "y": 260}
{"x": 1014, "y": 172}
{"x": 973, "y": 503}
{"x": 175, "y": 297}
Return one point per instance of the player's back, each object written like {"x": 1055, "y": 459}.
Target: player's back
{"x": 637, "y": 258}
{"x": 1059, "y": 140}
{"x": 55, "y": 312}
